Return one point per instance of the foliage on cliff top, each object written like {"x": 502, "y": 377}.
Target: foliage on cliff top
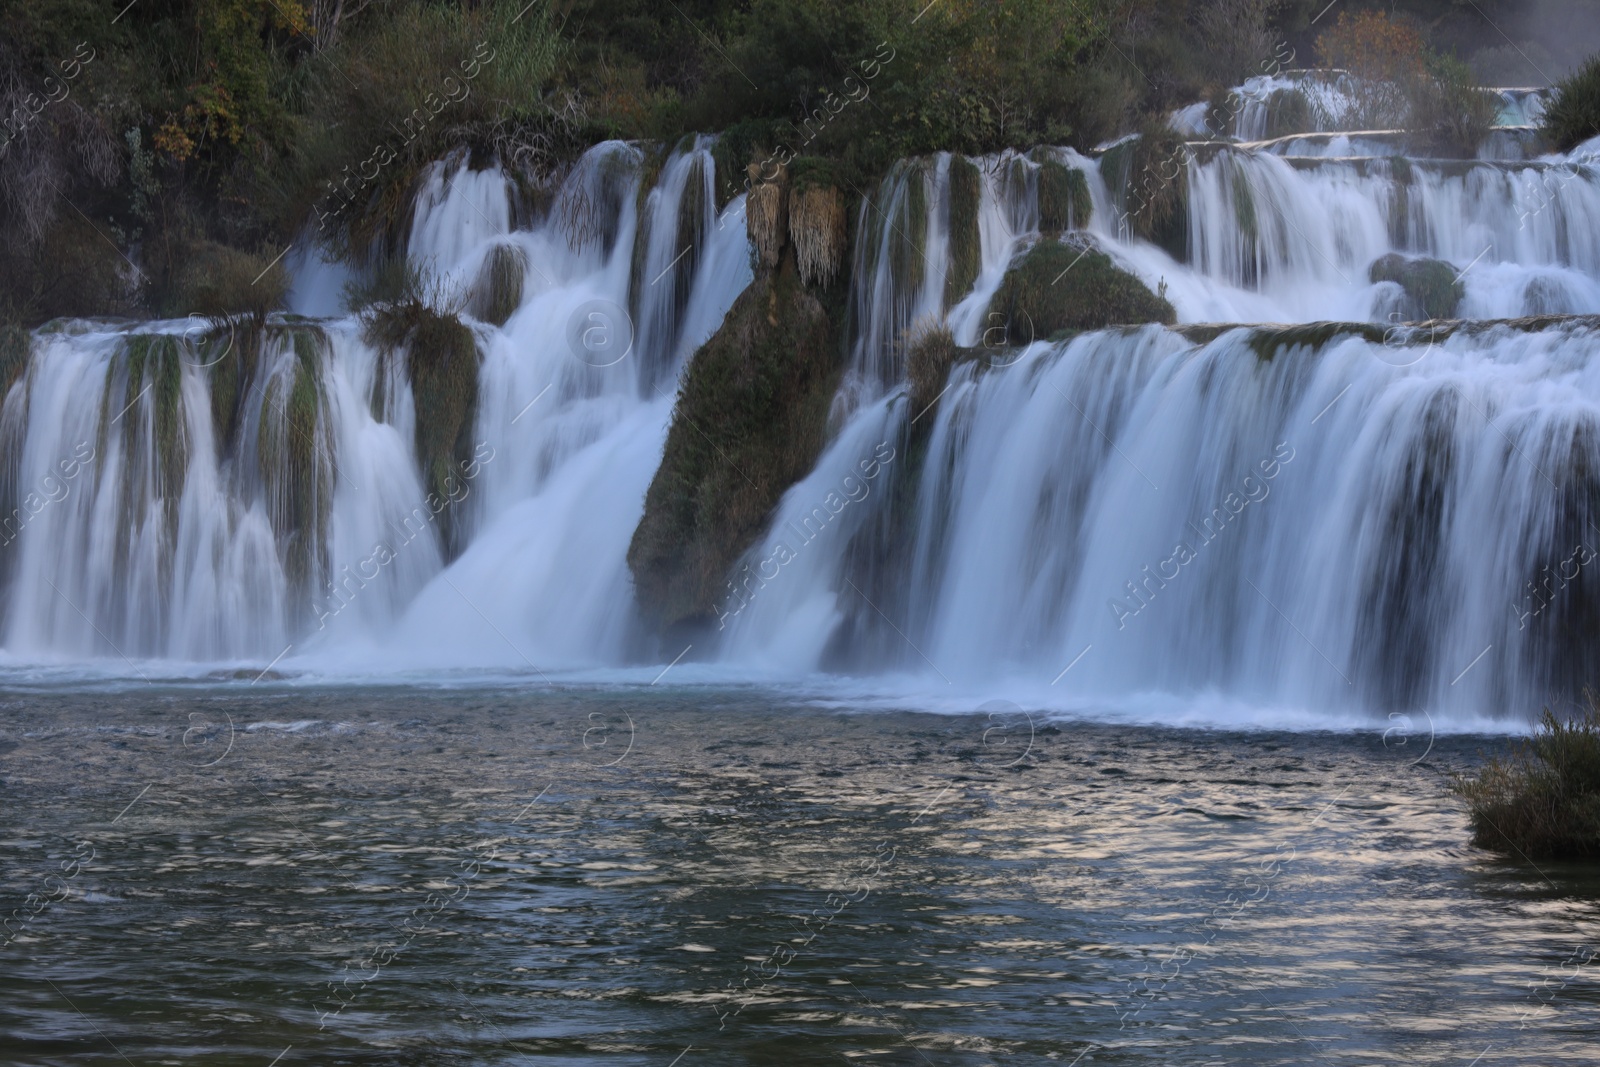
{"x": 1573, "y": 114}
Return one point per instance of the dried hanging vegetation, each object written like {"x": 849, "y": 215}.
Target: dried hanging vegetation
{"x": 766, "y": 217}
{"x": 816, "y": 223}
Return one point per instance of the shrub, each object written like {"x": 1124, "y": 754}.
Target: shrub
{"x": 211, "y": 279}
{"x": 1543, "y": 801}
{"x": 1398, "y": 82}
{"x": 1385, "y": 55}
{"x": 1450, "y": 109}
{"x": 1573, "y": 114}
{"x": 498, "y": 291}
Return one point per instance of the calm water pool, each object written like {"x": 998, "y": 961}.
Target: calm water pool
{"x": 230, "y": 875}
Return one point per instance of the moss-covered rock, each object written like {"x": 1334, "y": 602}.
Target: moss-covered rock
{"x": 294, "y": 452}
{"x": 228, "y": 351}
{"x": 498, "y": 291}
{"x": 1433, "y": 288}
{"x": 749, "y": 423}
{"x": 1151, "y": 178}
{"x": 442, "y": 361}
{"x": 929, "y": 357}
{"x": 966, "y": 251}
{"x": 1064, "y": 201}
{"x": 1056, "y": 286}
{"x": 1268, "y": 341}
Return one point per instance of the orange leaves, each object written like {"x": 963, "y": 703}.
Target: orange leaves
{"x": 1372, "y": 45}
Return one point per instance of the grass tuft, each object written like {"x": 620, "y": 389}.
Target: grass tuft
{"x": 1543, "y": 801}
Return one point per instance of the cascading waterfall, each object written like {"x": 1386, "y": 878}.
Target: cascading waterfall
{"x": 1313, "y": 518}
{"x": 219, "y": 494}
{"x": 1363, "y": 519}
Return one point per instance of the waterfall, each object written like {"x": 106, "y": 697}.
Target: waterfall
{"x": 213, "y": 493}
{"x": 1340, "y": 520}
{"x": 1348, "y": 513}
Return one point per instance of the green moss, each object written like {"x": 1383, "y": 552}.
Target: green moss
{"x": 966, "y": 252}
{"x": 750, "y": 422}
{"x": 1268, "y": 341}
{"x": 928, "y": 361}
{"x": 815, "y": 172}
{"x": 1244, "y": 205}
{"x": 736, "y": 148}
{"x": 229, "y": 351}
{"x": 1433, "y": 287}
{"x": 152, "y": 378}
{"x": 293, "y": 449}
{"x": 909, "y": 236}
{"x": 498, "y": 290}
{"x": 1544, "y": 801}
{"x": 1072, "y": 286}
{"x": 1064, "y": 201}
{"x": 442, "y": 361}
{"x": 1401, "y": 172}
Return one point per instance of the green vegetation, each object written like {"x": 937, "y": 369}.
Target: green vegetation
{"x": 966, "y": 253}
{"x": 1573, "y": 114}
{"x": 442, "y": 361}
{"x": 1402, "y": 83}
{"x": 749, "y": 423}
{"x": 1288, "y": 112}
{"x": 293, "y": 447}
{"x": 1433, "y": 287}
{"x": 1543, "y": 802}
{"x": 498, "y": 291}
{"x": 1268, "y": 341}
{"x": 929, "y": 357}
{"x": 195, "y": 139}
{"x": 1064, "y": 201}
{"x": 1057, "y": 286}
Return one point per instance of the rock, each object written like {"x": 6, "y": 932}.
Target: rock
{"x": 1071, "y": 285}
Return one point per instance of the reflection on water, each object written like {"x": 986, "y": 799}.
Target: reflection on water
{"x": 234, "y": 875}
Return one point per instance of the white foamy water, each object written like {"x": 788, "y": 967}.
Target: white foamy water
{"x": 1089, "y": 523}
